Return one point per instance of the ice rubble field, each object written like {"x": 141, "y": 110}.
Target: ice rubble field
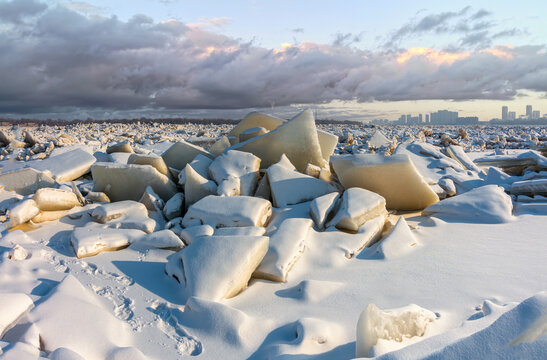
{"x": 273, "y": 238}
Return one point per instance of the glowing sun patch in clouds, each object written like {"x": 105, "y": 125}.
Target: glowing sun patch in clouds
{"x": 435, "y": 56}
{"x": 502, "y": 52}
{"x": 441, "y": 57}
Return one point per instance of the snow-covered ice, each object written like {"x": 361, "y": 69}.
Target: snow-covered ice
{"x": 394, "y": 177}
{"x": 110, "y": 250}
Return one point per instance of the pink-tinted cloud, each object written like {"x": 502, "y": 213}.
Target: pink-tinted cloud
{"x": 57, "y": 58}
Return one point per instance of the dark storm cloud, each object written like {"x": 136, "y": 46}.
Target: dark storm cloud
{"x": 16, "y": 11}
{"x": 57, "y": 59}
{"x": 474, "y": 28}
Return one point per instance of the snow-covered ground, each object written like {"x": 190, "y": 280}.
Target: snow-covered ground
{"x": 464, "y": 278}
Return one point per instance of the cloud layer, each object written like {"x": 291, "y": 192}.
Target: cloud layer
{"x": 55, "y": 58}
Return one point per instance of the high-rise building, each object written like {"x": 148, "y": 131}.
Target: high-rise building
{"x": 535, "y": 114}
{"x": 427, "y": 118}
{"x": 512, "y": 115}
{"x": 420, "y": 118}
{"x": 529, "y": 111}
{"x": 444, "y": 117}
{"x": 504, "y": 110}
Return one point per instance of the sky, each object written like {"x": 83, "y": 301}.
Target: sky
{"x": 355, "y": 60}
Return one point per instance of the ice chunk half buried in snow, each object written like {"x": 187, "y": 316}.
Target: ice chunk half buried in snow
{"x": 488, "y": 204}
{"x": 286, "y": 246}
{"x": 49, "y": 199}
{"x": 236, "y": 164}
{"x": 289, "y": 187}
{"x": 196, "y": 187}
{"x": 14, "y": 306}
{"x": 357, "y": 207}
{"x": 181, "y": 153}
{"x": 395, "y": 324}
{"x": 218, "y": 267}
{"x": 22, "y": 212}
{"x": 397, "y": 243}
{"x": 91, "y": 240}
{"x": 393, "y": 177}
{"x": 321, "y": 208}
{"x": 67, "y": 166}
{"x": 222, "y": 211}
{"x": 128, "y": 182}
{"x": 26, "y": 181}
{"x": 111, "y": 211}
{"x": 149, "y": 159}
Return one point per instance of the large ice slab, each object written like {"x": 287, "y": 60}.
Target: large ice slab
{"x": 256, "y": 119}
{"x": 220, "y": 145}
{"x": 251, "y": 133}
{"x": 236, "y": 165}
{"x": 200, "y": 164}
{"x": 49, "y": 199}
{"x": 429, "y": 160}
{"x": 357, "y": 206}
{"x": 196, "y": 187}
{"x": 457, "y": 153}
{"x": 289, "y": 187}
{"x": 297, "y": 139}
{"x": 26, "y": 181}
{"x": 489, "y": 204}
{"x": 219, "y": 267}
{"x": 221, "y": 211}
{"x": 190, "y": 234}
{"x": 181, "y": 153}
{"x": 367, "y": 234}
{"x": 174, "y": 206}
{"x": 126, "y": 214}
{"x": 22, "y": 212}
{"x": 530, "y": 187}
{"x": 398, "y": 242}
{"x": 163, "y": 239}
{"x": 67, "y": 166}
{"x": 327, "y": 141}
{"x": 44, "y": 216}
{"x": 524, "y": 159}
{"x": 286, "y": 246}
{"x": 128, "y": 182}
{"x": 149, "y": 159}
{"x": 378, "y": 140}
{"x": 107, "y": 212}
{"x": 322, "y": 207}
{"x": 122, "y": 147}
{"x": 394, "y": 324}
{"x": 240, "y": 231}
{"x": 393, "y": 177}
{"x": 151, "y": 200}
{"x": 91, "y": 240}
{"x": 13, "y": 307}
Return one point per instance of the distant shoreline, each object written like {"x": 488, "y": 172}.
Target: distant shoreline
{"x": 59, "y": 122}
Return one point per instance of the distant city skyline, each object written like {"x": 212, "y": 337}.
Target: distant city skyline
{"x": 530, "y": 113}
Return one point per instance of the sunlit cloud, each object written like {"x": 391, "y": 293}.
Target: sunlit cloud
{"x": 89, "y": 62}
{"x": 434, "y": 56}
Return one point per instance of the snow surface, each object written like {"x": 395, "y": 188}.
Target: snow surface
{"x": 478, "y": 264}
